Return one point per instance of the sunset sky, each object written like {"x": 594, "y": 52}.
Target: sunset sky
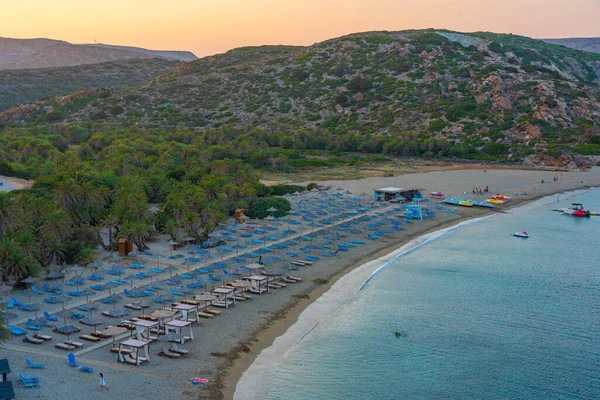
{"x": 213, "y": 26}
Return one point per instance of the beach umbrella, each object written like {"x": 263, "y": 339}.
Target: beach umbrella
{"x": 5, "y": 288}
{"x": 29, "y": 280}
{"x": 186, "y": 292}
{"x": 95, "y": 264}
{"x": 76, "y": 269}
{"x": 7, "y": 316}
{"x": 114, "y": 299}
{"x": 93, "y": 321}
{"x": 115, "y": 258}
{"x": 67, "y": 330}
{"x": 76, "y": 281}
{"x": 110, "y": 286}
{"x": 113, "y": 331}
{"x": 64, "y": 314}
{"x": 90, "y": 307}
{"x": 87, "y": 293}
{"x": 36, "y": 324}
{"x": 206, "y": 298}
{"x": 117, "y": 312}
{"x": 55, "y": 275}
{"x": 170, "y": 269}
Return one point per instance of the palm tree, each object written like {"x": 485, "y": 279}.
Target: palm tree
{"x": 109, "y": 222}
{"x": 8, "y": 212}
{"x": 67, "y": 194}
{"x": 56, "y": 224}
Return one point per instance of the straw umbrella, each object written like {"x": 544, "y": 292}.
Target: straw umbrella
{"x": 171, "y": 243}
{"x": 67, "y": 330}
{"x": 93, "y": 321}
{"x": 113, "y": 331}
{"x": 30, "y": 280}
{"x": 118, "y": 312}
{"x": 206, "y": 298}
{"x": 87, "y": 293}
{"x": 170, "y": 269}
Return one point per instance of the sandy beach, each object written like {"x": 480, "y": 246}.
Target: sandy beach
{"x": 226, "y": 345}
{"x": 15, "y": 183}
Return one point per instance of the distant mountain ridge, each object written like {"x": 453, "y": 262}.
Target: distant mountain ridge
{"x": 49, "y": 53}
{"x": 586, "y": 44}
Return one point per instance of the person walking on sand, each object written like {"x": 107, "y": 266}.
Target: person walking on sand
{"x": 103, "y": 383}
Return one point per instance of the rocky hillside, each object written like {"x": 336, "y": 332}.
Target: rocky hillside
{"x": 478, "y": 95}
{"x": 586, "y": 44}
{"x": 26, "y": 86}
{"x": 48, "y": 53}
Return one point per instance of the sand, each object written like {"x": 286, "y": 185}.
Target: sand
{"x": 227, "y": 344}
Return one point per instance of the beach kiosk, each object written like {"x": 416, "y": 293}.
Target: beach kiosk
{"x": 397, "y": 194}
{"x": 257, "y": 282}
{"x": 225, "y": 297}
{"x": 125, "y": 247}
{"x": 135, "y": 346}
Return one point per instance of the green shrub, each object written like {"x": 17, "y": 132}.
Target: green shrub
{"x": 257, "y": 208}
{"x": 436, "y": 125}
{"x": 280, "y": 190}
{"x": 587, "y": 149}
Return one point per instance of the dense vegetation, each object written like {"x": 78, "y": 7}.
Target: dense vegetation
{"x": 414, "y": 93}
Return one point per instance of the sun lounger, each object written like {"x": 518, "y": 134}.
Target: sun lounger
{"x": 274, "y": 286}
{"x": 89, "y": 338}
{"x": 123, "y": 351}
{"x": 213, "y": 312}
{"x": 74, "y": 344}
{"x": 42, "y": 337}
{"x": 49, "y": 317}
{"x": 64, "y": 346}
{"x": 306, "y": 262}
{"x": 205, "y": 315}
{"x": 178, "y": 350}
{"x": 256, "y": 291}
{"x": 127, "y": 358}
{"x": 34, "y": 365}
{"x": 133, "y": 307}
{"x": 298, "y": 263}
{"x": 286, "y": 280}
{"x": 14, "y": 330}
{"x": 32, "y": 340}
{"x": 167, "y": 353}
{"x": 86, "y": 369}
{"x": 294, "y": 278}
{"x": 191, "y": 302}
{"x": 29, "y": 381}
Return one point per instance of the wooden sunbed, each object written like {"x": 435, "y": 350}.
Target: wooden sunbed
{"x": 205, "y": 315}
{"x": 133, "y": 307}
{"x": 237, "y": 297}
{"x": 64, "y": 346}
{"x": 167, "y": 353}
{"x": 294, "y": 278}
{"x": 213, "y": 312}
{"x": 256, "y": 291}
{"x": 297, "y": 263}
{"x": 42, "y": 337}
{"x": 75, "y": 344}
{"x": 306, "y": 262}
{"x": 32, "y": 340}
{"x": 123, "y": 351}
{"x": 286, "y": 280}
{"x": 274, "y": 286}
{"x": 178, "y": 350}
{"x": 90, "y": 338}
{"x": 191, "y": 302}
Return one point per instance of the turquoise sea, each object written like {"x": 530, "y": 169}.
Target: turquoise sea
{"x": 483, "y": 315}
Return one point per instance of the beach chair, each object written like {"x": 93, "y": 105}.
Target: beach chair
{"x": 175, "y": 292}
{"x": 49, "y": 317}
{"x": 74, "y": 293}
{"x": 45, "y": 338}
{"x": 50, "y": 300}
{"x": 167, "y": 353}
{"x": 35, "y": 290}
{"x": 64, "y": 346}
{"x": 16, "y": 330}
{"x": 29, "y": 381}
{"x": 33, "y": 365}
{"x": 178, "y": 350}
{"x": 32, "y": 340}
{"x": 11, "y": 303}
{"x": 71, "y": 359}
{"x": 86, "y": 369}
{"x": 373, "y": 237}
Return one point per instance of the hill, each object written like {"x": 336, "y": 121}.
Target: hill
{"x": 425, "y": 93}
{"x": 586, "y": 44}
{"x": 30, "y": 85}
{"x": 47, "y": 53}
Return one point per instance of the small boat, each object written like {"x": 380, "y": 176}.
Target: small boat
{"x": 577, "y": 210}
{"x": 523, "y": 234}
{"x": 486, "y": 204}
{"x": 465, "y": 203}
{"x": 452, "y": 200}
{"x": 437, "y": 194}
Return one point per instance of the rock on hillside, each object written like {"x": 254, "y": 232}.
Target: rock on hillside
{"x": 478, "y": 94}
{"x": 47, "y": 53}
{"x": 25, "y": 86}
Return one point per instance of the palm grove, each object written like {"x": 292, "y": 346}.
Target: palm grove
{"x": 92, "y": 179}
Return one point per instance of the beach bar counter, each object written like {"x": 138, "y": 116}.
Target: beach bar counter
{"x": 392, "y": 193}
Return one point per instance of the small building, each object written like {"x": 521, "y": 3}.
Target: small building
{"x": 397, "y": 194}
{"x": 125, "y": 247}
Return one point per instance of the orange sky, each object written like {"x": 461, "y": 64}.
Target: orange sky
{"x": 212, "y": 26}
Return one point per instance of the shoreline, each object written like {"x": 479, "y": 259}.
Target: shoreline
{"x": 264, "y": 336}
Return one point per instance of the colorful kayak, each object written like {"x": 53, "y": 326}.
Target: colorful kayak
{"x": 437, "y": 194}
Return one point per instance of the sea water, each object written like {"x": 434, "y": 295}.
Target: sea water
{"x": 482, "y": 315}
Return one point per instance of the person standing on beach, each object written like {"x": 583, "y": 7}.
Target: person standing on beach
{"x": 103, "y": 383}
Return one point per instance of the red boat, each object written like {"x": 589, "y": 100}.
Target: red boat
{"x": 437, "y": 194}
